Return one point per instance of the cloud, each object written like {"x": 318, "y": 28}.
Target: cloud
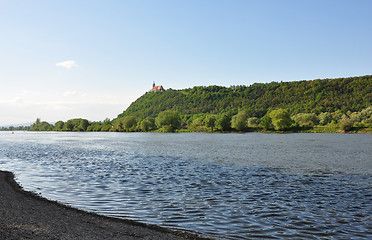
{"x": 67, "y": 64}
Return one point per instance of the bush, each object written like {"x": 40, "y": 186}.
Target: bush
{"x": 210, "y": 121}
{"x": 252, "y": 122}
{"x": 224, "y": 122}
{"x": 305, "y": 119}
{"x": 239, "y": 121}
{"x": 168, "y": 120}
{"x": 281, "y": 119}
{"x": 325, "y": 118}
{"x": 346, "y": 123}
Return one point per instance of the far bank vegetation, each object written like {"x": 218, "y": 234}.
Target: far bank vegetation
{"x": 328, "y": 105}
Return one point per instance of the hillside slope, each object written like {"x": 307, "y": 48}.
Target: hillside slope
{"x": 314, "y": 96}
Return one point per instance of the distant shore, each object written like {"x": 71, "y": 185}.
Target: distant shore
{"x": 25, "y": 215}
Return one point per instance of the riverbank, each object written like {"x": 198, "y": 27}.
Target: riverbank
{"x": 25, "y": 215}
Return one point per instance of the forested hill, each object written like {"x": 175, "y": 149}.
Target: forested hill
{"x": 315, "y": 96}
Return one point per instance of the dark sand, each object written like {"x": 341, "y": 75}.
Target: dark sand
{"x": 24, "y": 215}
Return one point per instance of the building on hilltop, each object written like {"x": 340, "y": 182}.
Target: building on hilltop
{"x": 157, "y": 88}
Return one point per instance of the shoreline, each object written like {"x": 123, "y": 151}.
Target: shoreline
{"x": 26, "y": 215}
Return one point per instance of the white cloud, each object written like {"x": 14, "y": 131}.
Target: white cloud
{"x": 67, "y": 64}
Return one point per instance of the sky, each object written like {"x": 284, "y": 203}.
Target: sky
{"x": 91, "y": 59}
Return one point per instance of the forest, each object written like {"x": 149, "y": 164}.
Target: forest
{"x": 322, "y": 105}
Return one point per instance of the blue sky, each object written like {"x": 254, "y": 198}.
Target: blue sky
{"x": 67, "y": 59}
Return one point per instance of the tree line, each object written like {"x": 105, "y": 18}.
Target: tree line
{"x": 171, "y": 121}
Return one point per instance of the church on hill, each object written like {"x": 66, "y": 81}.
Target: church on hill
{"x": 157, "y": 88}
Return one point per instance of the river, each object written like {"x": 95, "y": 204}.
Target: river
{"x": 225, "y": 186}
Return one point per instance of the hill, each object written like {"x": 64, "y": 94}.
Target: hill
{"x": 314, "y": 96}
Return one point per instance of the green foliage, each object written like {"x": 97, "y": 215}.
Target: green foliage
{"x": 239, "y": 121}
{"x": 224, "y": 122}
{"x": 305, "y": 119}
{"x": 316, "y": 96}
{"x": 94, "y": 127}
{"x": 58, "y": 126}
{"x": 147, "y": 124}
{"x": 168, "y": 121}
{"x": 41, "y": 126}
{"x": 343, "y": 103}
{"x": 325, "y": 118}
{"x": 280, "y": 119}
{"x": 210, "y": 121}
{"x": 346, "y": 123}
{"x": 106, "y": 128}
{"x": 76, "y": 125}
{"x": 19, "y": 128}
{"x": 252, "y": 122}
{"x": 128, "y": 124}
{"x": 266, "y": 122}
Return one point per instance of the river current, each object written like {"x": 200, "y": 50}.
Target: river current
{"x": 224, "y": 186}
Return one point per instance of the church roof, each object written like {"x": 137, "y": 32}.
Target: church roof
{"x": 157, "y": 88}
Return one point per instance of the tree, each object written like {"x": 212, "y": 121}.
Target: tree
{"x": 252, "y": 122}
{"x": 68, "y": 126}
{"x": 197, "y": 122}
{"x": 266, "y": 123}
{"x": 239, "y": 121}
{"x": 210, "y": 121}
{"x": 305, "y": 119}
{"x": 281, "y": 119}
{"x": 147, "y": 124}
{"x": 325, "y": 118}
{"x": 94, "y": 127}
{"x": 224, "y": 122}
{"x": 346, "y": 123}
{"x": 58, "y": 126}
{"x": 106, "y": 125}
{"x": 129, "y": 123}
{"x": 83, "y": 125}
{"x": 45, "y": 126}
{"x": 168, "y": 120}
{"x": 41, "y": 126}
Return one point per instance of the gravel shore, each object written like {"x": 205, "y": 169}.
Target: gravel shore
{"x": 24, "y": 215}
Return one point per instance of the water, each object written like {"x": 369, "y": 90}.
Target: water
{"x": 225, "y": 186}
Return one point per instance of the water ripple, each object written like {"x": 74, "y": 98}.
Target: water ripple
{"x": 209, "y": 191}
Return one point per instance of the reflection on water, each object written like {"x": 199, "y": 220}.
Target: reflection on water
{"x": 230, "y": 186}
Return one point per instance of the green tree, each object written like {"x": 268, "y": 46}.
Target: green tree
{"x": 41, "y": 126}
{"x": 106, "y": 125}
{"x": 76, "y": 125}
{"x": 58, "y": 126}
{"x": 45, "y": 126}
{"x": 68, "y": 126}
{"x": 129, "y": 123}
{"x": 239, "y": 121}
{"x": 168, "y": 120}
{"x": 224, "y": 122}
{"x": 83, "y": 125}
{"x": 252, "y": 122}
{"x": 94, "y": 127}
{"x": 281, "y": 119}
{"x": 147, "y": 124}
{"x": 210, "y": 121}
{"x": 337, "y": 115}
{"x": 346, "y": 123}
{"x": 266, "y": 122}
{"x": 197, "y": 122}
{"x": 325, "y": 118}
{"x": 305, "y": 119}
